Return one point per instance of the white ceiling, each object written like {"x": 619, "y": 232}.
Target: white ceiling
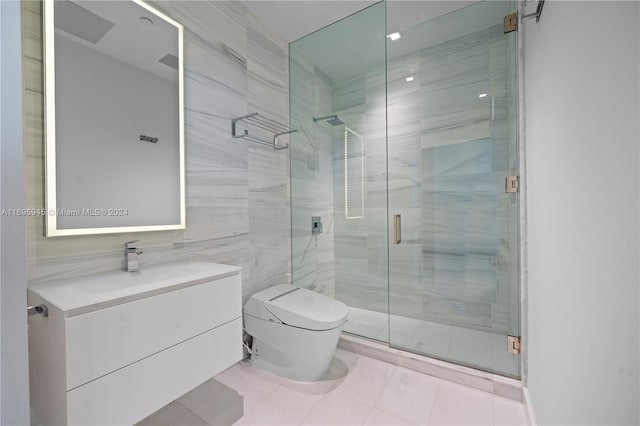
{"x": 294, "y": 19}
{"x": 129, "y": 40}
{"x": 354, "y": 44}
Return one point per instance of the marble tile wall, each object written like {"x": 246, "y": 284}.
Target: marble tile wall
{"x": 312, "y": 181}
{"x": 448, "y": 154}
{"x": 237, "y": 193}
{"x": 361, "y": 243}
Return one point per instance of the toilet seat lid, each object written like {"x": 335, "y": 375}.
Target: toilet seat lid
{"x": 299, "y": 307}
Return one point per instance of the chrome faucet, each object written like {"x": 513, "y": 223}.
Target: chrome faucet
{"x": 131, "y": 256}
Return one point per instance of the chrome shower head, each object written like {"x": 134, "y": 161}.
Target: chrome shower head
{"x": 334, "y": 120}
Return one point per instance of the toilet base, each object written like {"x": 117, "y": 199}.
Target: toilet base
{"x": 291, "y": 352}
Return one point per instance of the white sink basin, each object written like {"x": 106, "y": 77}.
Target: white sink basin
{"x": 80, "y": 295}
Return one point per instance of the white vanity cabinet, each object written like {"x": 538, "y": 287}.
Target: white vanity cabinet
{"x": 118, "y": 346}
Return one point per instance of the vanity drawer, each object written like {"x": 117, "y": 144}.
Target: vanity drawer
{"x": 103, "y": 341}
{"x": 128, "y": 395}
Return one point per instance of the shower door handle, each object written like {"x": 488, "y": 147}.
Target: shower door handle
{"x": 397, "y": 229}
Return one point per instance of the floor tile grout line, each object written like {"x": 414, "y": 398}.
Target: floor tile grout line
{"x": 373, "y": 407}
{"x": 312, "y": 408}
{"x": 388, "y": 366}
{"x": 354, "y": 398}
{"x": 278, "y": 386}
{"x": 394, "y": 415}
{"x": 493, "y": 410}
{"x": 394, "y": 372}
{"x": 346, "y": 396}
{"x": 246, "y": 367}
{"x": 394, "y": 368}
{"x": 435, "y": 399}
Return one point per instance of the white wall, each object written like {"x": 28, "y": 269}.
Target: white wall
{"x": 14, "y": 373}
{"x": 582, "y": 129}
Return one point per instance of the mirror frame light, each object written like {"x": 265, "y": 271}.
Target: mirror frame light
{"x": 51, "y": 223}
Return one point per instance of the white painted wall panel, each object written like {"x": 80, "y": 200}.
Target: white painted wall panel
{"x": 582, "y": 93}
{"x": 14, "y": 373}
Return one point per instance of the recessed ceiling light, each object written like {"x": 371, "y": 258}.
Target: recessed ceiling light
{"x": 146, "y": 21}
{"x": 482, "y": 95}
{"x": 393, "y": 36}
{"x": 410, "y": 78}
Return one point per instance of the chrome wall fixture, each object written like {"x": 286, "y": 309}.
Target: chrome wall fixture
{"x": 535, "y": 14}
{"x": 334, "y": 120}
{"x": 274, "y": 128}
{"x": 38, "y": 310}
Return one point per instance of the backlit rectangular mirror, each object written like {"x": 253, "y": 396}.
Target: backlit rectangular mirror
{"x": 114, "y": 115}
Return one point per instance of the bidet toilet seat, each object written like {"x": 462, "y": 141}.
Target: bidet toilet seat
{"x": 297, "y": 307}
{"x": 295, "y": 331}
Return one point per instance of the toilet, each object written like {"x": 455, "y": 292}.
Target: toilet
{"x": 295, "y": 331}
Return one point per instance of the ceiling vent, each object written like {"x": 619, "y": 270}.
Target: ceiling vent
{"x": 78, "y": 21}
{"x": 169, "y": 60}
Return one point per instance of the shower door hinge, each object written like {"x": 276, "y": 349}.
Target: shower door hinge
{"x": 513, "y": 344}
{"x": 510, "y": 22}
{"x": 512, "y": 184}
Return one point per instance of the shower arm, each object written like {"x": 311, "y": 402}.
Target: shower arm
{"x": 326, "y": 117}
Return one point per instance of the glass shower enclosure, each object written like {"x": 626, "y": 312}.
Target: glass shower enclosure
{"x": 398, "y": 171}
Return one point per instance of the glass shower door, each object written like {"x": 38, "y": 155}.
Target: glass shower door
{"x": 338, "y": 164}
{"x": 453, "y": 276}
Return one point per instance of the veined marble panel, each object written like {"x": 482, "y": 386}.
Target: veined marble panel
{"x": 269, "y": 218}
{"x": 361, "y": 244}
{"x": 376, "y": 85}
{"x": 312, "y": 179}
{"x": 237, "y": 194}
{"x": 466, "y": 243}
{"x": 322, "y": 94}
{"x": 349, "y": 92}
{"x": 458, "y": 62}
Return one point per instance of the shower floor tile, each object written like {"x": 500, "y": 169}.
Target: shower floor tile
{"x": 357, "y": 390}
{"x": 475, "y": 348}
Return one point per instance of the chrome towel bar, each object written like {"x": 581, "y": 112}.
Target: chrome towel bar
{"x": 40, "y": 309}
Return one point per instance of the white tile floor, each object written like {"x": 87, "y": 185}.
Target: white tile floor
{"x": 360, "y": 391}
{"x": 475, "y": 348}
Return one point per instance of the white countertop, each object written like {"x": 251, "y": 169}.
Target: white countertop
{"x": 75, "y": 296}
